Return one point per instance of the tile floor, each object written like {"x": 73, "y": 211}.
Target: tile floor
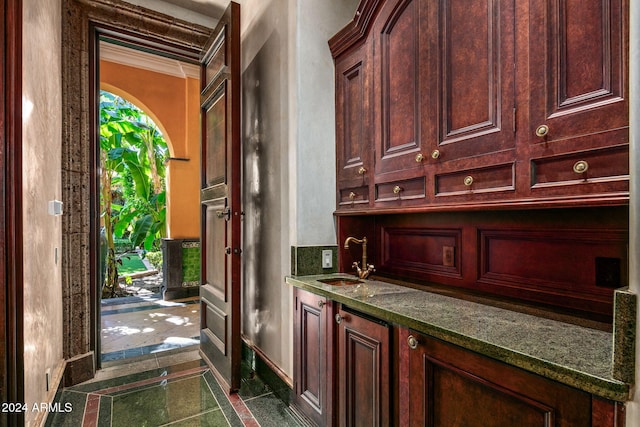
{"x": 137, "y": 326}
{"x": 175, "y": 389}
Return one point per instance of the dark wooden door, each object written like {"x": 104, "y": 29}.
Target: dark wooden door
{"x": 577, "y": 70}
{"x": 220, "y": 200}
{"x": 353, "y": 121}
{"x": 312, "y": 369}
{"x": 449, "y": 386}
{"x": 363, "y": 371}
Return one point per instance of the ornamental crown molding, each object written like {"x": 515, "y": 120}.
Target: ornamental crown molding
{"x": 147, "y": 61}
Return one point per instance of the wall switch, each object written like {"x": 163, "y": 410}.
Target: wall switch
{"x": 327, "y": 258}
{"x": 55, "y": 207}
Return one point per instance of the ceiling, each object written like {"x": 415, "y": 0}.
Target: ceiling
{"x": 212, "y": 8}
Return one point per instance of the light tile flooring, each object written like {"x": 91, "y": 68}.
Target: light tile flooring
{"x": 136, "y": 326}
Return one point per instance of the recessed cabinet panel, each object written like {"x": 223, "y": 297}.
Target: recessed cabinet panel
{"x": 577, "y": 68}
{"x": 352, "y": 93}
{"x": 476, "y": 56}
{"x": 581, "y": 168}
{"x": 354, "y": 157}
{"x": 420, "y": 251}
{"x": 354, "y": 196}
{"x": 489, "y": 179}
{"x": 401, "y": 190}
{"x": 363, "y": 371}
{"x": 397, "y": 88}
{"x": 450, "y": 386}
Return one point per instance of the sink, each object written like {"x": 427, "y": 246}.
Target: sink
{"x": 341, "y": 281}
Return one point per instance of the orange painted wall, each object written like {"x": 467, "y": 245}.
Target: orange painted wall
{"x": 174, "y": 105}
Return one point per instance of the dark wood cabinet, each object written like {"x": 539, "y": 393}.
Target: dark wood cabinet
{"x": 458, "y": 104}
{"x": 342, "y": 364}
{"x": 363, "y": 371}
{"x": 313, "y": 322}
{"x": 444, "y": 385}
{"x": 353, "y": 123}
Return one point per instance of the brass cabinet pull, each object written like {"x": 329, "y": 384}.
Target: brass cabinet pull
{"x": 468, "y": 180}
{"x": 352, "y": 195}
{"x": 339, "y": 318}
{"x": 419, "y": 157}
{"x": 227, "y": 250}
{"x": 397, "y": 189}
{"x": 581, "y": 166}
{"x": 412, "y": 342}
{"x": 542, "y": 131}
{"x": 321, "y": 304}
{"x": 362, "y": 170}
{"x": 435, "y": 154}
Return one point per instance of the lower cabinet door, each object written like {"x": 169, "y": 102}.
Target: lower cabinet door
{"x": 312, "y": 370}
{"x": 363, "y": 371}
{"x": 448, "y": 386}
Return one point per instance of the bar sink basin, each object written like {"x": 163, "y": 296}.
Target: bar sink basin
{"x": 341, "y": 281}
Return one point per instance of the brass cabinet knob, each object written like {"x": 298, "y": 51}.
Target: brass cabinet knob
{"x": 321, "y": 304}
{"x": 352, "y": 195}
{"x": 419, "y": 157}
{"x": 412, "y": 342}
{"x": 339, "y": 318}
{"x": 362, "y": 170}
{"x": 542, "y": 131}
{"x": 468, "y": 180}
{"x": 397, "y": 189}
{"x": 435, "y": 154}
{"x": 581, "y": 166}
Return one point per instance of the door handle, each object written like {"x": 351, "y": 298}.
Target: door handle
{"x": 226, "y": 214}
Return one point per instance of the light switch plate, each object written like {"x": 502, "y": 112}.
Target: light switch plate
{"x": 327, "y": 258}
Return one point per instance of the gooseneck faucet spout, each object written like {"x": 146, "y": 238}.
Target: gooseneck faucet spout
{"x": 366, "y": 269}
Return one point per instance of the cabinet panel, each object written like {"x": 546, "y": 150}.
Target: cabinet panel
{"x": 450, "y": 386}
{"x": 354, "y": 157}
{"x": 397, "y": 90}
{"x": 363, "y": 371}
{"x": 474, "y": 108}
{"x": 578, "y": 66}
{"x": 311, "y": 366}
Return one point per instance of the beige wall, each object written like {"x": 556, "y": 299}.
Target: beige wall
{"x": 289, "y": 155}
{"x": 42, "y": 121}
{"x": 173, "y": 103}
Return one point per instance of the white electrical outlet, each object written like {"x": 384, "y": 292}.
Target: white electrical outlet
{"x": 327, "y": 258}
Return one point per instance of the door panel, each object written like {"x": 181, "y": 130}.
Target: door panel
{"x": 577, "y": 70}
{"x": 476, "y": 98}
{"x": 221, "y": 211}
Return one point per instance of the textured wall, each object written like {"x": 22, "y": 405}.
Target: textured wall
{"x": 42, "y": 131}
{"x": 289, "y": 152}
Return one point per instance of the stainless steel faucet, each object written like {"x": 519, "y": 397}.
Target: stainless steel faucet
{"x": 366, "y": 269}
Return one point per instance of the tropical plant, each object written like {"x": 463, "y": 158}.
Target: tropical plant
{"x": 133, "y": 199}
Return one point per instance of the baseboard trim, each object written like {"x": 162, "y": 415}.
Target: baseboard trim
{"x": 268, "y": 371}
{"x": 79, "y": 369}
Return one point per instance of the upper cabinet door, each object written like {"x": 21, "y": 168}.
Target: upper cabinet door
{"x": 400, "y": 58}
{"x": 471, "y": 49}
{"x": 578, "y": 67}
{"x": 353, "y": 122}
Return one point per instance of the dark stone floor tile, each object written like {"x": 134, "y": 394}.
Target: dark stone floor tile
{"x": 73, "y": 418}
{"x": 213, "y": 418}
{"x": 270, "y": 411}
{"x": 163, "y": 403}
{"x": 223, "y": 401}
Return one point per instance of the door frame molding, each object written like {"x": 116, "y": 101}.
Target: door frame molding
{"x": 84, "y": 22}
{"x": 12, "y": 375}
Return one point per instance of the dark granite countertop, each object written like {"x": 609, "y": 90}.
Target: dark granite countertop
{"x": 574, "y": 355}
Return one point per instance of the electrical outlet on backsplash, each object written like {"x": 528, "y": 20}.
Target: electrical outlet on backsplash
{"x": 307, "y": 260}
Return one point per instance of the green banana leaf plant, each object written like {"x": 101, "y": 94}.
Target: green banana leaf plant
{"x": 133, "y": 196}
